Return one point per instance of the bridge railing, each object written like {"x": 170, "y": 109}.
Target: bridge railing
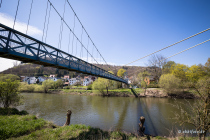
{"x": 16, "y": 45}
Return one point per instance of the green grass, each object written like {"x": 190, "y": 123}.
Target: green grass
{"x": 75, "y": 132}
{"x": 112, "y": 92}
{"x": 12, "y": 111}
{"x": 16, "y": 125}
{"x": 24, "y": 127}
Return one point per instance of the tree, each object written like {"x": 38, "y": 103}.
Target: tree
{"x": 180, "y": 70}
{"x": 57, "y": 84}
{"x": 9, "y": 93}
{"x": 207, "y": 67}
{"x": 194, "y": 73}
{"x": 12, "y": 77}
{"x": 47, "y": 84}
{"x": 199, "y": 115}
{"x": 169, "y": 83}
{"x": 143, "y": 76}
{"x": 157, "y": 62}
{"x": 121, "y": 73}
{"x": 102, "y": 84}
{"x": 167, "y": 67}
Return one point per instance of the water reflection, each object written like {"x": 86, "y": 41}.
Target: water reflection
{"x": 105, "y": 112}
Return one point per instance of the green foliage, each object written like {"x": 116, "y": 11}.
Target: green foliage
{"x": 102, "y": 84}
{"x": 180, "y": 70}
{"x": 57, "y": 84}
{"x": 9, "y": 93}
{"x": 47, "y": 84}
{"x": 200, "y": 108}
{"x": 121, "y": 73}
{"x": 24, "y": 87}
{"x": 170, "y": 83}
{"x": 77, "y": 131}
{"x": 12, "y": 77}
{"x": 194, "y": 73}
{"x": 167, "y": 67}
{"x": 12, "y": 111}
{"x": 15, "y": 125}
{"x": 89, "y": 87}
{"x": 141, "y": 77}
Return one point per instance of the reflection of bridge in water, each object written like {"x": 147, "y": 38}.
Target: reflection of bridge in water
{"x": 18, "y": 46}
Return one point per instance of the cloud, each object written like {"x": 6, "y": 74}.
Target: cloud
{"x": 20, "y": 26}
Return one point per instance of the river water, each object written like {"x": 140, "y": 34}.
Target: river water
{"x": 107, "y": 113}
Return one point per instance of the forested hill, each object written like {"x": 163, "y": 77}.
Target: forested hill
{"x": 39, "y": 70}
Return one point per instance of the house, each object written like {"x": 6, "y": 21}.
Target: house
{"x": 66, "y": 80}
{"x": 73, "y": 81}
{"x": 52, "y": 76}
{"x": 40, "y": 79}
{"x": 87, "y": 81}
{"x": 30, "y": 80}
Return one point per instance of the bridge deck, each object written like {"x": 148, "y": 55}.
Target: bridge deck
{"x": 18, "y": 46}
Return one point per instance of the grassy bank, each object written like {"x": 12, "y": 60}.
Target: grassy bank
{"x": 82, "y": 90}
{"x": 16, "y": 124}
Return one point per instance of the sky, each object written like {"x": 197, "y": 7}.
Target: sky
{"x": 122, "y": 30}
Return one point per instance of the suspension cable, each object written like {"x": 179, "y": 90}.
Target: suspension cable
{"x": 169, "y": 46}
{"x": 177, "y": 53}
{"x": 69, "y": 41}
{"x": 68, "y": 26}
{"x": 73, "y": 35}
{"x": 85, "y": 30}
{"x": 29, "y": 16}
{"x": 16, "y": 13}
{"x": 45, "y": 21}
{"x": 81, "y": 44}
{"x": 48, "y": 22}
{"x": 76, "y": 47}
{"x": 87, "y": 48}
{"x": 61, "y": 28}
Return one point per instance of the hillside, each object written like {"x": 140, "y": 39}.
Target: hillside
{"x": 28, "y": 69}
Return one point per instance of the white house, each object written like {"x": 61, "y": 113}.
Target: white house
{"x": 40, "y": 79}
{"x": 73, "y": 81}
{"x": 87, "y": 81}
{"x": 54, "y": 78}
{"x": 30, "y": 80}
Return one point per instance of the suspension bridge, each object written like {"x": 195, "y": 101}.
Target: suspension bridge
{"x": 20, "y": 46}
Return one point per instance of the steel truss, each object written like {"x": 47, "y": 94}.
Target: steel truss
{"x": 18, "y": 46}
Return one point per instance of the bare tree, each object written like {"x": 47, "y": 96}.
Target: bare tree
{"x": 156, "y": 62}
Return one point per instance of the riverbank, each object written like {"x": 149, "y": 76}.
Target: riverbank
{"x": 15, "y": 124}
{"x": 150, "y": 92}
{"x": 123, "y": 92}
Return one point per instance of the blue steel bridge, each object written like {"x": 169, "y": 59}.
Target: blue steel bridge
{"x": 18, "y": 46}
{"x": 23, "y": 47}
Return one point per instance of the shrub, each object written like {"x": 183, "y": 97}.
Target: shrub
{"x": 47, "y": 84}
{"x": 12, "y": 77}
{"x": 169, "y": 83}
{"x": 9, "y": 93}
{"x": 89, "y": 87}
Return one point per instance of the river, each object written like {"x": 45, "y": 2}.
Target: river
{"x": 107, "y": 113}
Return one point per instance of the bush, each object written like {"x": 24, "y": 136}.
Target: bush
{"x": 58, "y": 84}
{"x": 169, "y": 83}
{"x": 12, "y": 77}
{"x": 12, "y": 111}
{"x": 47, "y": 84}
{"x": 89, "y": 87}
{"x": 9, "y": 93}
{"x": 24, "y": 87}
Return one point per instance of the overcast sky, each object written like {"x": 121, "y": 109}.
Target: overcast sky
{"x": 122, "y": 30}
